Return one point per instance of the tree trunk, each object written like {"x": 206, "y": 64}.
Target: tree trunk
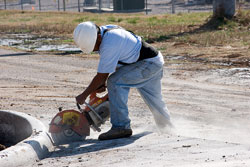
{"x": 224, "y": 8}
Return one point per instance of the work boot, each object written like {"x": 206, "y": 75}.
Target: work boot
{"x": 115, "y": 133}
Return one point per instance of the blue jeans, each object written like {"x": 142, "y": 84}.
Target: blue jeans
{"x": 146, "y": 77}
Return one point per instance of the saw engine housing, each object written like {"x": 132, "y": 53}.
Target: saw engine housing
{"x": 72, "y": 125}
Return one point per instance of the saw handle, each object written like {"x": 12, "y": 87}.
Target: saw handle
{"x": 79, "y": 107}
{"x": 93, "y": 102}
{"x": 91, "y": 96}
{"x": 91, "y": 108}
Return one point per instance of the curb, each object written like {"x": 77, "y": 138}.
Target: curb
{"x": 36, "y": 147}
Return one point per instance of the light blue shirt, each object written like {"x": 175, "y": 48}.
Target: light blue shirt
{"x": 117, "y": 45}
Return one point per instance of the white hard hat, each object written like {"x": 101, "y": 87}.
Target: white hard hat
{"x": 85, "y": 35}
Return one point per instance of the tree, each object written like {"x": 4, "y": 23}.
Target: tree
{"x": 224, "y": 8}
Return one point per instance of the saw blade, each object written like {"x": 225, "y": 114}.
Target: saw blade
{"x": 66, "y": 136}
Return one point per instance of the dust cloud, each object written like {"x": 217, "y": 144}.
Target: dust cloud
{"x": 226, "y": 130}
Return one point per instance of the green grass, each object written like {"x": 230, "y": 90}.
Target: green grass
{"x": 65, "y": 22}
{"x": 67, "y": 40}
{"x": 81, "y": 19}
{"x": 133, "y": 20}
{"x": 197, "y": 28}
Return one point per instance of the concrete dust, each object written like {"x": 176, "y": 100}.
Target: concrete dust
{"x": 228, "y": 130}
{"x": 209, "y": 111}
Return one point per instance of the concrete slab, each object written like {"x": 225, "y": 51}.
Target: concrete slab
{"x": 31, "y": 136}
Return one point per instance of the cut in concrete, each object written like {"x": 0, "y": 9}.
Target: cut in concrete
{"x": 26, "y": 137}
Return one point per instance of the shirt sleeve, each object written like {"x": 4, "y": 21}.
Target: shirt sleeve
{"x": 109, "y": 56}
{"x": 108, "y": 62}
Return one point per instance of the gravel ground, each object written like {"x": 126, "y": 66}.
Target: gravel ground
{"x": 209, "y": 108}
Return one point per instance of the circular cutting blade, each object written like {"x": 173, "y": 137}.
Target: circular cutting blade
{"x": 66, "y": 136}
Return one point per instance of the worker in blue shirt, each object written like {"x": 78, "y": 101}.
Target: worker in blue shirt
{"x": 126, "y": 61}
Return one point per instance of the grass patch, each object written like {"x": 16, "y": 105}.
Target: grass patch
{"x": 81, "y": 19}
{"x": 113, "y": 19}
{"x": 197, "y": 28}
{"x": 67, "y": 40}
{"x": 243, "y": 18}
{"x": 133, "y": 20}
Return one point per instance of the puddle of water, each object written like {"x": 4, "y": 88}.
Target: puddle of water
{"x": 10, "y": 42}
{"x": 31, "y": 42}
{"x": 64, "y": 47}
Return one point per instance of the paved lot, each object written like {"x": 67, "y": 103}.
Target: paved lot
{"x": 209, "y": 108}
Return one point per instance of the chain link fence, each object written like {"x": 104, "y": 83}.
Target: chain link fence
{"x": 54, "y": 5}
{"x": 149, "y": 6}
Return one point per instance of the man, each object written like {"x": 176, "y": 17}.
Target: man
{"x": 125, "y": 61}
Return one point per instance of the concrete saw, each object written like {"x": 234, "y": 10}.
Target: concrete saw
{"x": 74, "y": 125}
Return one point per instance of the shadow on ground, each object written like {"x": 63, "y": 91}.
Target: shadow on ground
{"x": 15, "y": 54}
{"x": 94, "y": 145}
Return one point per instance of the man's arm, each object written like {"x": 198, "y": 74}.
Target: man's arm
{"x": 96, "y": 82}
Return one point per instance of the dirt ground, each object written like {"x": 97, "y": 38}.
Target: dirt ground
{"x": 209, "y": 102}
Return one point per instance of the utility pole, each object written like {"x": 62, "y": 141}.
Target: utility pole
{"x": 5, "y": 6}
{"x": 22, "y": 4}
{"x": 58, "y": 4}
{"x": 100, "y": 6}
{"x": 121, "y": 4}
{"x": 39, "y": 5}
{"x": 173, "y": 6}
{"x": 64, "y": 6}
{"x": 224, "y": 8}
{"x": 79, "y": 10}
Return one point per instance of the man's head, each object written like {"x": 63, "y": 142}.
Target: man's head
{"x": 86, "y": 36}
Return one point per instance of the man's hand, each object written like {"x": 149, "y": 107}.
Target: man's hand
{"x": 80, "y": 99}
{"x": 96, "y": 82}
